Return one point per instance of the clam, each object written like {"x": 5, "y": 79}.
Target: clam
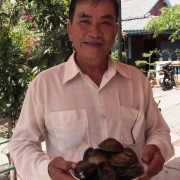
{"x": 111, "y": 161}
{"x": 97, "y": 156}
{"x": 88, "y": 152}
{"x": 111, "y": 145}
{"x": 121, "y": 159}
{"x": 85, "y": 170}
{"x": 131, "y": 152}
{"x": 133, "y": 171}
{"x": 107, "y": 172}
{"x": 120, "y": 170}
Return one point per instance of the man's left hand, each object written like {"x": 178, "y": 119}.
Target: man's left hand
{"x": 152, "y": 156}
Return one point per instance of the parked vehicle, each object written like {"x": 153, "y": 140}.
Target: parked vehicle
{"x": 166, "y": 77}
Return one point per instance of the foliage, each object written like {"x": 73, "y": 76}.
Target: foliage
{"x": 168, "y": 20}
{"x": 32, "y": 38}
{"x": 140, "y": 63}
{"x": 168, "y": 51}
{"x": 177, "y": 52}
{"x": 51, "y": 19}
{"x": 147, "y": 54}
{"x": 114, "y": 55}
{"x": 157, "y": 52}
{"x": 13, "y": 72}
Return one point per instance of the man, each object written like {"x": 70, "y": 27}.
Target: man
{"x": 80, "y": 103}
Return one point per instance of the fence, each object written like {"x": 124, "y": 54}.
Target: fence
{"x": 8, "y": 168}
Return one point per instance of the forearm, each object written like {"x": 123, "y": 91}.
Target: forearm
{"x": 30, "y": 161}
{"x": 163, "y": 141}
{"x": 157, "y": 130}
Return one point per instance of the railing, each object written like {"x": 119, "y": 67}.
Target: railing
{"x": 8, "y": 168}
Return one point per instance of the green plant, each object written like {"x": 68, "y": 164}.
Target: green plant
{"x": 142, "y": 63}
{"x": 168, "y": 52}
{"x": 157, "y": 52}
{"x": 149, "y": 57}
{"x": 32, "y": 38}
{"x": 168, "y": 19}
{"x": 114, "y": 55}
{"x": 177, "y": 52}
{"x": 13, "y": 73}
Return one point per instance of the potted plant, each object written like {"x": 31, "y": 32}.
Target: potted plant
{"x": 151, "y": 73}
{"x": 169, "y": 53}
{"x": 177, "y": 52}
{"x": 158, "y": 53}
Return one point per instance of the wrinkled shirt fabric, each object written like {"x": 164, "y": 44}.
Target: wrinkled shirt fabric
{"x": 67, "y": 110}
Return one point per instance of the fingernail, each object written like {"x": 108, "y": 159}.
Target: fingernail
{"x": 146, "y": 159}
{"x": 73, "y": 165}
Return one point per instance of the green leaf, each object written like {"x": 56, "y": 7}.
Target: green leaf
{"x": 4, "y": 150}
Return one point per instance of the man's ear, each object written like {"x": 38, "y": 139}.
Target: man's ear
{"x": 69, "y": 30}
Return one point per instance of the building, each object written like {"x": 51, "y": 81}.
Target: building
{"x": 135, "y": 16}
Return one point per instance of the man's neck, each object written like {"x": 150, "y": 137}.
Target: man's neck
{"x": 95, "y": 69}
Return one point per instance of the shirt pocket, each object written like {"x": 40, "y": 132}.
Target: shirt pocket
{"x": 70, "y": 130}
{"x": 133, "y": 126}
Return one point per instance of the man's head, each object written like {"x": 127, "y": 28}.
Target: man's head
{"x": 74, "y": 3}
{"x": 93, "y": 28}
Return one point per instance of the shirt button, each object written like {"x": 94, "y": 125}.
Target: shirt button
{"x": 103, "y": 116}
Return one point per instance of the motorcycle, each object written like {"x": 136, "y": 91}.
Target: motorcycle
{"x": 166, "y": 77}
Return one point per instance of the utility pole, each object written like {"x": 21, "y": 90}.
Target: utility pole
{"x": 119, "y": 34}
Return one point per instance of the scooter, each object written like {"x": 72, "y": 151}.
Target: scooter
{"x": 166, "y": 77}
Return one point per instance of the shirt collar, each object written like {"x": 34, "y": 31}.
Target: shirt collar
{"x": 119, "y": 67}
{"x": 71, "y": 68}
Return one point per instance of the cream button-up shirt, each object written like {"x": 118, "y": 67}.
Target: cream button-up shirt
{"x": 64, "y": 108}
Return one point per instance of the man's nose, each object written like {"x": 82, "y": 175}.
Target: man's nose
{"x": 95, "y": 30}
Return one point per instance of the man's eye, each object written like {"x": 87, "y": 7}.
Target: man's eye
{"x": 106, "y": 23}
{"x": 85, "y": 21}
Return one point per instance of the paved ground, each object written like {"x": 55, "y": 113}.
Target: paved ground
{"x": 170, "y": 106}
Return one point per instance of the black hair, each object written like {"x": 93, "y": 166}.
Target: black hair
{"x": 74, "y": 3}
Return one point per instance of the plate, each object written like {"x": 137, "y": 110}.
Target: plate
{"x": 144, "y": 175}
{"x": 72, "y": 173}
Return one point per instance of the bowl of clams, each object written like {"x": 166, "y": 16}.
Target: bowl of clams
{"x": 110, "y": 161}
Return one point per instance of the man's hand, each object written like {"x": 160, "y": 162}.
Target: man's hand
{"x": 151, "y": 155}
{"x": 58, "y": 169}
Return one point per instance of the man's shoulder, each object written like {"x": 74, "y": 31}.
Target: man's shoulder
{"x": 50, "y": 75}
{"x": 55, "y": 70}
{"x": 130, "y": 70}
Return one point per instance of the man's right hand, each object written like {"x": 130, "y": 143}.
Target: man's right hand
{"x": 58, "y": 169}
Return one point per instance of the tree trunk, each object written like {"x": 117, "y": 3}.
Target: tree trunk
{"x": 10, "y": 124}
{"x": 0, "y": 17}
{"x": 10, "y": 128}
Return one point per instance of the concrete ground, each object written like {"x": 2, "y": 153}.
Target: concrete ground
{"x": 170, "y": 108}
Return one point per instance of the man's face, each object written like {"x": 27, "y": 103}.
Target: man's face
{"x": 93, "y": 29}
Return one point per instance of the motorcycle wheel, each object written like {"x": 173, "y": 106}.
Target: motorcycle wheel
{"x": 167, "y": 85}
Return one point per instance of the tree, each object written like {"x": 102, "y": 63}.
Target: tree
{"x": 168, "y": 20}
{"x": 32, "y": 38}
{"x": 51, "y": 18}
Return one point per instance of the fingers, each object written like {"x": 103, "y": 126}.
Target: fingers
{"x": 58, "y": 169}
{"x": 148, "y": 152}
{"x": 61, "y": 163}
{"x": 144, "y": 178}
{"x": 154, "y": 160}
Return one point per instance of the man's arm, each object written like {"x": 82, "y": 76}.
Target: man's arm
{"x": 30, "y": 160}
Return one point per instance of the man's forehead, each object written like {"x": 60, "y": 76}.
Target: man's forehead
{"x": 92, "y": 2}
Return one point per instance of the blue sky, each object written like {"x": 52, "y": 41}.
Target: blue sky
{"x": 173, "y": 2}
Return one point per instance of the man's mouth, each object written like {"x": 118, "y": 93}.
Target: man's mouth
{"x": 94, "y": 43}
